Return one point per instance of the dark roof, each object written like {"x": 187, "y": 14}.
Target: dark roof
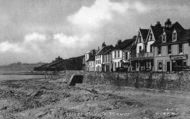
{"x": 92, "y": 54}
{"x": 105, "y": 50}
{"x": 183, "y": 35}
{"x": 144, "y": 33}
{"x": 91, "y": 58}
{"x": 177, "y": 26}
{"x": 124, "y": 44}
{"x": 157, "y": 31}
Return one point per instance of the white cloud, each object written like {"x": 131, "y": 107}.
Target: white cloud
{"x": 72, "y": 41}
{"x": 71, "y": 33}
{"x": 34, "y": 37}
{"x": 86, "y": 18}
{"x": 31, "y": 43}
{"x": 95, "y": 15}
{"x": 140, "y": 7}
{"x": 7, "y": 47}
{"x": 37, "y": 46}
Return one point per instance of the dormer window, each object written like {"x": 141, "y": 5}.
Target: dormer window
{"x": 151, "y": 37}
{"x": 164, "y": 37}
{"x": 174, "y": 36}
{"x": 140, "y": 48}
{"x": 140, "y": 39}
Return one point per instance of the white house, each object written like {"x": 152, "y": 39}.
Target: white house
{"x": 121, "y": 53}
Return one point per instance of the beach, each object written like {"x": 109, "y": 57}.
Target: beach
{"x": 54, "y": 99}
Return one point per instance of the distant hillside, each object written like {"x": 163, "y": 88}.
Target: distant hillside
{"x": 59, "y": 64}
{"x": 19, "y": 67}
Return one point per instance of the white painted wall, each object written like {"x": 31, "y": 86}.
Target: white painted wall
{"x": 86, "y": 56}
{"x": 139, "y": 45}
{"x": 150, "y": 41}
{"x": 186, "y": 50}
{"x": 148, "y": 46}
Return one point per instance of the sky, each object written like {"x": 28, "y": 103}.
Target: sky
{"x": 41, "y": 30}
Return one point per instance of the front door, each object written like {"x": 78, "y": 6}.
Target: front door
{"x": 168, "y": 66}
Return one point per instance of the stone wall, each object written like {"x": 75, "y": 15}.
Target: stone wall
{"x": 168, "y": 81}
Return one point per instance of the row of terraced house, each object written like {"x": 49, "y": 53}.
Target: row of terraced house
{"x": 162, "y": 48}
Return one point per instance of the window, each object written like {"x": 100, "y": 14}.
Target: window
{"x": 139, "y": 37}
{"x": 145, "y": 47}
{"x": 126, "y": 55}
{"x": 140, "y": 48}
{"x": 118, "y": 54}
{"x": 169, "y": 49}
{"x": 150, "y": 37}
{"x": 164, "y": 37}
{"x": 115, "y": 54}
{"x": 159, "y": 50}
{"x": 160, "y": 65}
{"x": 174, "y": 36}
{"x": 184, "y": 63}
{"x": 151, "y": 48}
{"x": 180, "y": 48}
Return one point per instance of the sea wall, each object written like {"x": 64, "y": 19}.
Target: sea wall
{"x": 154, "y": 80}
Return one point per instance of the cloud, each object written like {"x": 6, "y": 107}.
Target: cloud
{"x": 31, "y": 43}
{"x": 72, "y": 41}
{"x": 37, "y": 46}
{"x": 9, "y": 47}
{"x": 140, "y": 7}
{"x": 95, "y": 15}
{"x": 86, "y": 22}
{"x": 69, "y": 28}
{"x": 35, "y": 37}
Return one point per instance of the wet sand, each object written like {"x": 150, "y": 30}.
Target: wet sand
{"x": 53, "y": 99}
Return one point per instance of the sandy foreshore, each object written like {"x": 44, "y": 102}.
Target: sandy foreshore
{"x": 53, "y": 99}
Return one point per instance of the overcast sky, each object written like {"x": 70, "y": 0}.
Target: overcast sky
{"x": 40, "y": 30}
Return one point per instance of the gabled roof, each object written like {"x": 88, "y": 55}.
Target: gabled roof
{"x": 183, "y": 35}
{"x": 157, "y": 31}
{"x": 92, "y": 54}
{"x": 144, "y": 33}
{"x": 124, "y": 44}
{"x": 91, "y": 58}
{"x": 105, "y": 50}
{"x": 177, "y": 26}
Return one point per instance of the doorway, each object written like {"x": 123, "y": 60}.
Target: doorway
{"x": 168, "y": 66}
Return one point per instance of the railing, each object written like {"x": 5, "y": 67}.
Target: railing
{"x": 180, "y": 68}
{"x": 141, "y": 55}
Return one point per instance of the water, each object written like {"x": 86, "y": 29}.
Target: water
{"x": 18, "y": 77}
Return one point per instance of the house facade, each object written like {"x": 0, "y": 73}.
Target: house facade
{"x": 91, "y": 64}
{"x": 98, "y": 63}
{"x": 143, "y": 59}
{"x": 103, "y": 59}
{"x": 139, "y": 59}
{"x": 107, "y": 59}
{"x": 90, "y": 60}
{"x": 121, "y": 55}
{"x": 160, "y": 48}
{"x": 172, "y": 50}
